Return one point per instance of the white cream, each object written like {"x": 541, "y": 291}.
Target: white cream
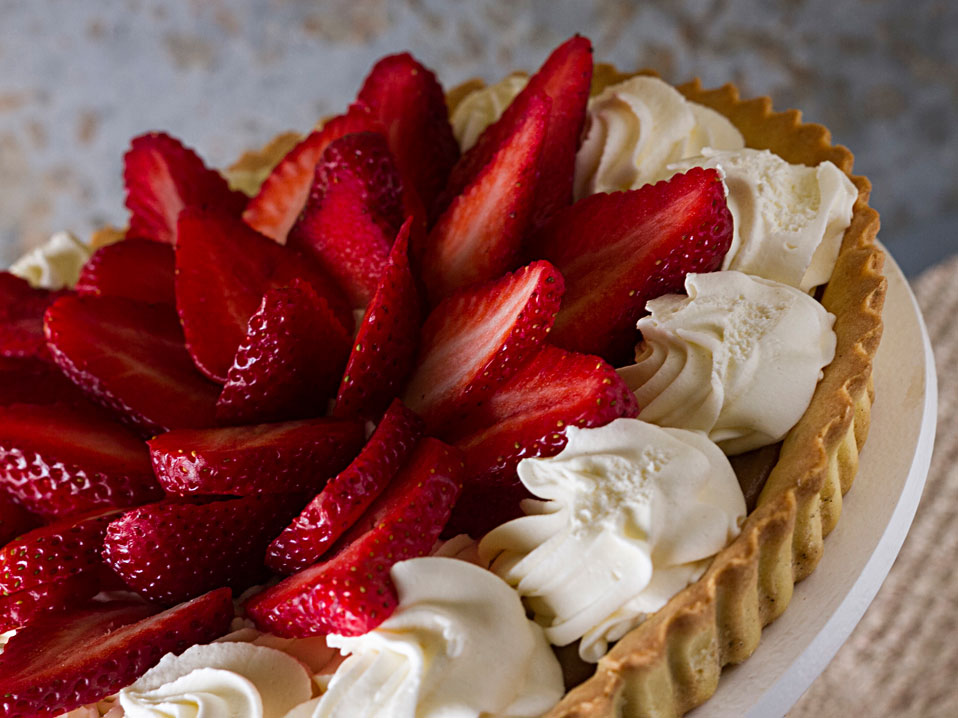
{"x": 220, "y": 680}
{"x": 635, "y": 129}
{"x": 632, "y": 513}
{"x": 788, "y": 220}
{"x": 738, "y": 358}
{"x": 482, "y": 107}
{"x": 458, "y": 646}
{"x": 53, "y": 265}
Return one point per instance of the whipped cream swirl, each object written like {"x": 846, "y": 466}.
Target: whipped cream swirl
{"x": 635, "y": 129}
{"x": 53, "y": 265}
{"x": 738, "y": 358}
{"x": 483, "y": 107}
{"x": 459, "y": 645}
{"x": 632, "y": 513}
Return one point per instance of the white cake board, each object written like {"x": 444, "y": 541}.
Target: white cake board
{"x": 876, "y": 516}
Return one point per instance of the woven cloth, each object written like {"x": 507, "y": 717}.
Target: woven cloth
{"x": 902, "y": 659}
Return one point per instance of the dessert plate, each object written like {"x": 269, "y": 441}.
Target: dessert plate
{"x": 876, "y": 515}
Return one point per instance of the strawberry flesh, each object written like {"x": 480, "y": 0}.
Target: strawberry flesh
{"x": 98, "y": 650}
{"x": 130, "y": 357}
{"x": 21, "y": 317}
{"x": 57, "y": 461}
{"x": 479, "y": 236}
{"x": 478, "y": 338}
{"x": 34, "y": 381}
{"x": 19, "y": 609}
{"x": 290, "y": 457}
{"x": 163, "y": 176}
{"x": 384, "y": 350}
{"x": 344, "y": 499}
{"x": 354, "y": 210}
{"x": 352, "y": 593}
{"x": 289, "y": 364}
{"x": 617, "y": 251}
{"x": 134, "y": 268}
{"x": 14, "y": 519}
{"x": 223, "y": 269}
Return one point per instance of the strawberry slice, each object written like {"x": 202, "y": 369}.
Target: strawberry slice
{"x": 134, "y": 268}
{"x": 14, "y": 519}
{"x": 56, "y": 460}
{"x": 99, "y": 650}
{"x": 162, "y": 176}
{"x": 385, "y": 347}
{"x": 290, "y": 362}
{"x": 21, "y": 317}
{"x": 223, "y": 269}
{"x": 478, "y": 338}
{"x": 281, "y": 198}
{"x": 617, "y": 251}
{"x": 55, "y": 552}
{"x": 129, "y": 357}
{"x": 479, "y": 235}
{"x": 406, "y": 97}
{"x": 174, "y": 550}
{"x": 354, "y": 210}
{"x": 351, "y": 593}
{"x": 291, "y": 457}
{"x": 527, "y": 417}
{"x": 19, "y": 609}
{"x": 33, "y": 381}
{"x": 344, "y": 499}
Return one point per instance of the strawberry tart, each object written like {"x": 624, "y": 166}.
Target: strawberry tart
{"x": 520, "y": 400}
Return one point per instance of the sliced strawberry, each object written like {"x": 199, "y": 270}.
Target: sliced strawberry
{"x": 479, "y": 236}
{"x": 174, "y": 550}
{"x": 14, "y": 519}
{"x": 56, "y": 460}
{"x": 19, "y": 609}
{"x": 290, "y": 362}
{"x": 21, "y": 317}
{"x": 344, "y": 499}
{"x": 223, "y": 269}
{"x": 351, "y": 593}
{"x": 68, "y": 659}
{"x": 134, "y": 268}
{"x": 385, "y": 347}
{"x": 408, "y": 99}
{"x": 129, "y": 357}
{"x": 281, "y": 198}
{"x": 617, "y": 251}
{"x": 290, "y": 457}
{"x": 33, "y": 381}
{"x": 527, "y": 417}
{"x": 478, "y": 338}
{"x": 354, "y": 210}
{"x": 163, "y": 176}
{"x": 55, "y": 552}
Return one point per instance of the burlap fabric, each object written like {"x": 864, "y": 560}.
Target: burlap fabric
{"x": 902, "y": 659}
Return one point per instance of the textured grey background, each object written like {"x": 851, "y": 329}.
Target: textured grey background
{"x": 78, "y": 79}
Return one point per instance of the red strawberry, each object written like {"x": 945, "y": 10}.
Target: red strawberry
{"x": 478, "y": 338}
{"x": 409, "y": 101}
{"x": 19, "y": 609}
{"x": 55, "y": 461}
{"x": 33, "y": 381}
{"x": 385, "y": 347}
{"x": 55, "y": 552}
{"x": 174, "y": 550}
{"x": 617, "y": 251}
{"x": 478, "y": 237}
{"x": 274, "y": 210}
{"x": 344, "y": 499}
{"x": 14, "y": 519}
{"x": 99, "y": 650}
{"x": 223, "y": 269}
{"x": 565, "y": 79}
{"x": 163, "y": 176}
{"x": 129, "y": 356}
{"x": 21, "y": 317}
{"x": 527, "y": 416}
{"x": 134, "y": 268}
{"x": 351, "y": 593}
{"x": 290, "y": 362}
{"x": 291, "y": 457}
{"x": 354, "y": 210}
